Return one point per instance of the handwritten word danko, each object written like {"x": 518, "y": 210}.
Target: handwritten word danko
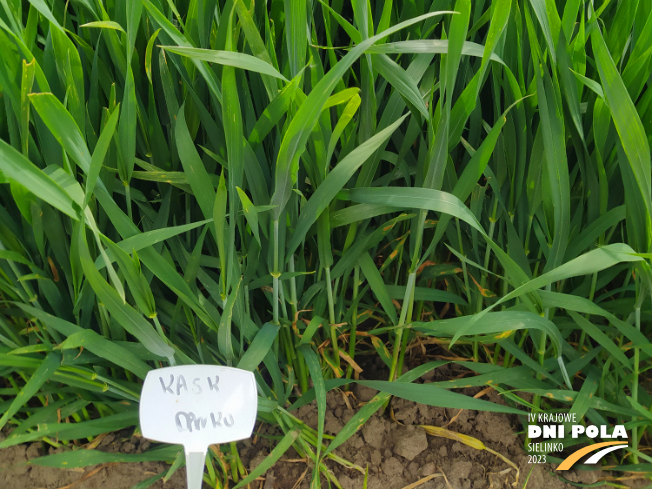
{"x": 195, "y": 386}
{"x": 189, "y": 421}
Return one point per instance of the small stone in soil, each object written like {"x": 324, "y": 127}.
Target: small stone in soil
{"x": 376, "y": 457}
{"x": 413, "y": 469}
{"x": 427, "y": 469}
{"x": 364, "y": 394}
{"x": 374, "y": 432}
{"x": 347, "y": 483}
{"x": 269, "y": 480}
{"x": 410, "y": 442}
{"x": 332, "y": 425}
{"x": 459, "y": 474}
{"x": 33, "y": 450}
{"x": 107, "y": 440}
{"x": 405, "y": 411}
{"x": 458, "y": 447}
{"x": 393, "y": 467}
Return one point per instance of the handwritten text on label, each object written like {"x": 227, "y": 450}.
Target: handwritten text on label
{"x": 189, "y": 421}
{"x": 195, "y": 386}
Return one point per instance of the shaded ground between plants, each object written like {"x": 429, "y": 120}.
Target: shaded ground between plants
{"x": 105, "y": 476}
{"x": 396, "y": 451}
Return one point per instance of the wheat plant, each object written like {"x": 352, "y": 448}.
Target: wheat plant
{"x": 290, "y": 186}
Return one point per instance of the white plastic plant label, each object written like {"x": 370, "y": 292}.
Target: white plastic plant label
{"x": 197, "y": 406}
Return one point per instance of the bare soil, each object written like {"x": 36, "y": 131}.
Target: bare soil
{"x": 398, "y": 453}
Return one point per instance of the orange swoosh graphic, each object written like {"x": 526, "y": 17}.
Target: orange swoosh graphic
{"x": 574, "y": 457}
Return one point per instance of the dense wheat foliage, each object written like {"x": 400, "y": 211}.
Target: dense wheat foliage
{"x": 293, "y": 187}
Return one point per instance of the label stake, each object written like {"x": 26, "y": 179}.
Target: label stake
{"x": 197, "y": 406}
